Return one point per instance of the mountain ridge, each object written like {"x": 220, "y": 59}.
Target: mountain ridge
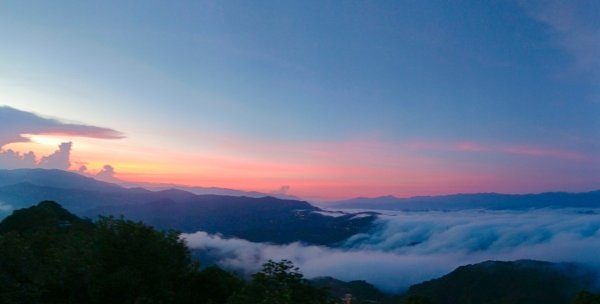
{"x": 264, "y": 219}
{"x": 486, "y": 200}
{"x": 517, "y": 282}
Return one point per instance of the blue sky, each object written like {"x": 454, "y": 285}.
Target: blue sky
{"x": 184, "y": 75}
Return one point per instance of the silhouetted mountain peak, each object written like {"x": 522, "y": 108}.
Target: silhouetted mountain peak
{"x": 45, "y": 215}
{"x": 262, "y": 219}
{"x": 463, "y": 201}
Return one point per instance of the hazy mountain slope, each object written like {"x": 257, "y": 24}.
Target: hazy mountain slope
{"x": 477, "y": 201}
{"x": 210, "y": 190}
{"x": 26, "y": 194}
{"x": 71, "y": 180}
{"x": 54, "y": 178}
{"x": 265, "y": 219}
{"x": 519, "y": 282}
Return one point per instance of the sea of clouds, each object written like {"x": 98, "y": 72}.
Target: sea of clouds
{"x": 405, "y": 248}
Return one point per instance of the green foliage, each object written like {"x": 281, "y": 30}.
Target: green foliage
{"x": 584, "y": 297}
{"x": 17, "y": 270}
{"x": 518, "y": 282}
{"x": 133, "y": 263}
{"x": 43, "y": 255}
{"x": 213, "y": 285}
{"x": 46, "y": 215}
{"x": 48, "y": 255}
{"x": 279, "y": 283}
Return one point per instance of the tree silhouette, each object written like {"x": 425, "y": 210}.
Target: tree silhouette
{"x": 279, "y": 283}
{"x": 134, "y": 263}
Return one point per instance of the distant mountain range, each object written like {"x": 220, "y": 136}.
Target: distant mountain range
{"x": 207, "y": 190}
{"x": 494, "y": 201}
{"x": 264, "y": 219}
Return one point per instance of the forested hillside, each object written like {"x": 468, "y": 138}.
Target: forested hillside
{"x": 48, "y": 255}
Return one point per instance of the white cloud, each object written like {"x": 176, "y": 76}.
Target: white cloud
{"x": 411, "y": 247}
{"x": 10, "y": 159}
{"x": 59, "y": 159}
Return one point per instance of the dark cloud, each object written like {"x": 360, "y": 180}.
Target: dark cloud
{"x": 410, "y": 247}
{"x": 15, "y": 123}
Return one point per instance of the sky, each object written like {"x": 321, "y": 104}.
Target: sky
{"x": 323, "y": 100}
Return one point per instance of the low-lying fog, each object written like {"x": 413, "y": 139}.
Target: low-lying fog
{"x": 409, "y": 247}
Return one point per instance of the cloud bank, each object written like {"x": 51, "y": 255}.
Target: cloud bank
{"x": 15, "y": 123}
{"x": 60, "y": 159}
{"x": 407, "y": 248}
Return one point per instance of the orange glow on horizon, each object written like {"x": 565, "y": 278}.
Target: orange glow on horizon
{"x": 312, "y": 170}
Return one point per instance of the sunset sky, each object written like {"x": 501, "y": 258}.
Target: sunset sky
{"x": 323, "y": 100}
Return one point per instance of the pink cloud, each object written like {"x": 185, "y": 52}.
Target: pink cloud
{"x": 328, "y": 170}
{"x": 362, "y": 167}
{"x": 545, "y": 152}
{"x": 471, "y": 147}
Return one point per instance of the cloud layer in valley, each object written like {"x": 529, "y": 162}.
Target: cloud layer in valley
{"x": 407, "y": 248}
